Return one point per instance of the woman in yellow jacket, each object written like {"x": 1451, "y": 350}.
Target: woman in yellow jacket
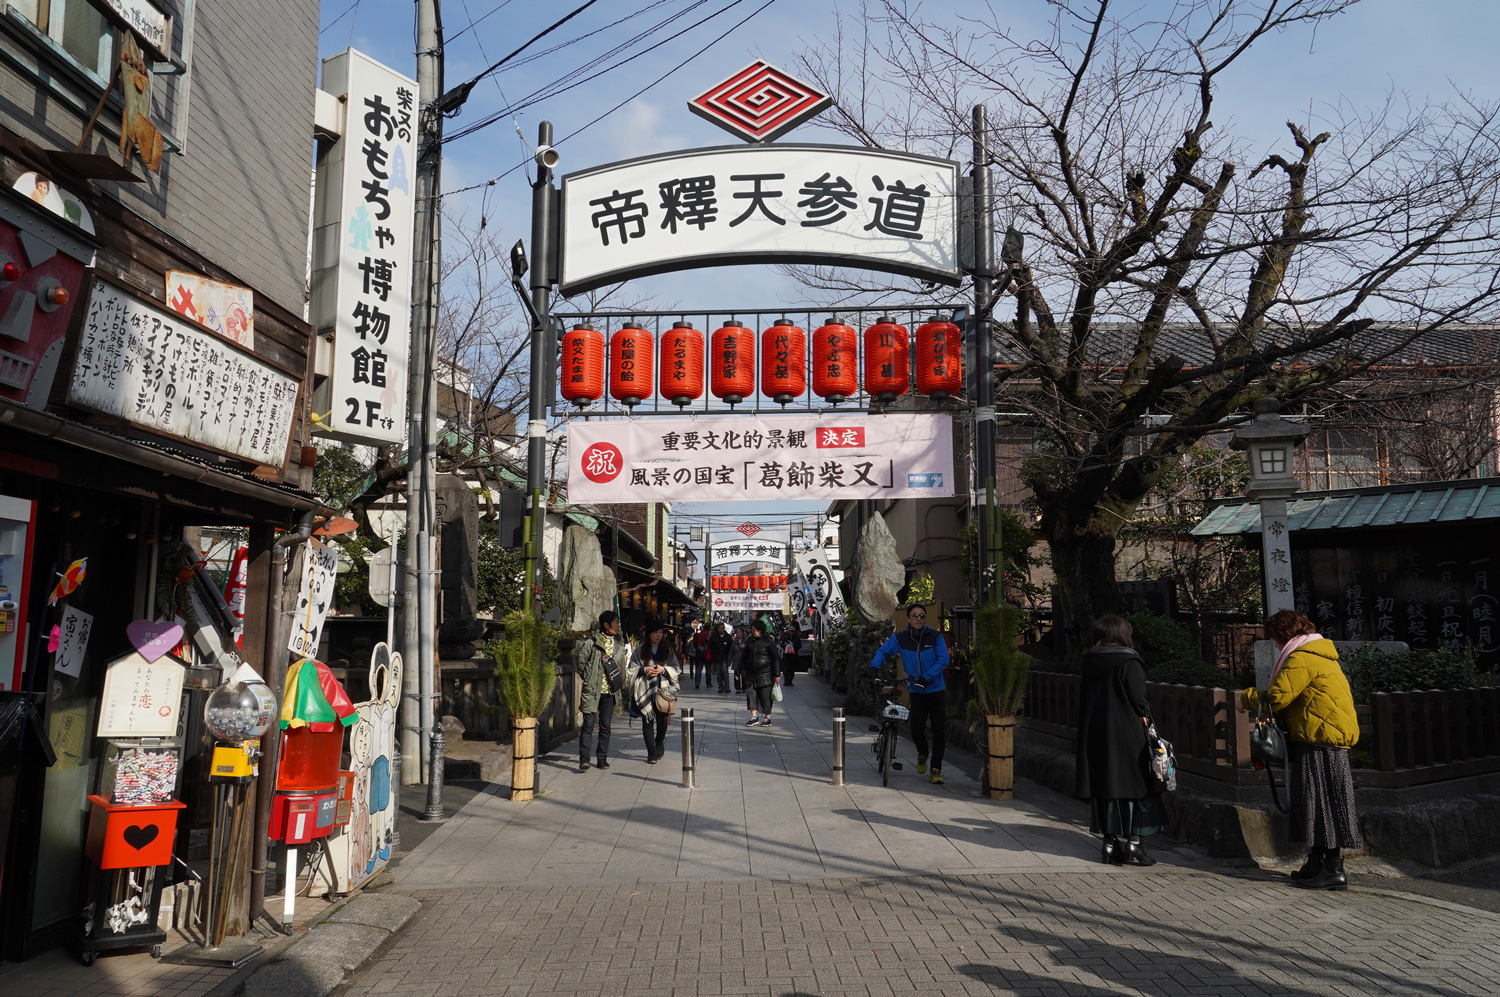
{"x": 1310, "y": 694}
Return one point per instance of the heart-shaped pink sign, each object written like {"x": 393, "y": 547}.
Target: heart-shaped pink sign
{"x": 154, "y": 639}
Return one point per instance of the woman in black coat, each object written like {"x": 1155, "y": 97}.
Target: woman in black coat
{"x": 762, "y": 669}
{"x": 1112, "y": 718}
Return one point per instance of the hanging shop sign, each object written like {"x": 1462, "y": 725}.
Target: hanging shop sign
{"x": 148, "y": 22}
{"x": 72, "y": 641}
{"x": 748, "y": 550}
{"x": 141, "y": 697}
{"x": 227, "y": 309}
{"x": 818, "y": 458}
{"x": 314, "y": 597}
{"x": 362, "y": 249}
{"x": 147, "y": 366}
{"x": 824, "y": 598}
{"x": 828, "y": 205}
{"x": 757, "y": 602}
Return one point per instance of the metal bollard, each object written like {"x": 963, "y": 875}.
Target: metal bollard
{"x": 434, "y": 810}
{"x": 687, "y": 747}
{"x": 838, "y": 747}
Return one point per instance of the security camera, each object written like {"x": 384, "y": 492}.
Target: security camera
{"x": 546, "y": 156}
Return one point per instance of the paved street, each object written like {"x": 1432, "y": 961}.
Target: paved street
{"x": 767, "y": 880}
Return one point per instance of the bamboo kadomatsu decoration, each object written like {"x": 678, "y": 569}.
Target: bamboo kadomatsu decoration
{"x": 1000, "y": 672}
{"x": 527, "y": 676}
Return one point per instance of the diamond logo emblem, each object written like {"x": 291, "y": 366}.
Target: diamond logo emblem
{"x": 760, "y": 103}
{"x": 748, "y": 529}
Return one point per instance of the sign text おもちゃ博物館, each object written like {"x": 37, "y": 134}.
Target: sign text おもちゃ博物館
{"x": 367, "y": 249}
{"x": 822, "y": 204}
{"x": 901, "y": 455}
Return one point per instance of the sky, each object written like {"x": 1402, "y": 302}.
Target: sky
{"x": 1432, "y": 49}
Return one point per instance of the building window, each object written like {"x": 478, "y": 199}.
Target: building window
{"x": 74, "y": 26}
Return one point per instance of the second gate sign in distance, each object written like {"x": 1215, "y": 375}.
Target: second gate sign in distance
{"x": 818, "y": 458}
{"x": 865, "y": 208}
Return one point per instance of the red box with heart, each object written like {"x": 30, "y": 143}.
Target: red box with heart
{"x": 123, "y": 837}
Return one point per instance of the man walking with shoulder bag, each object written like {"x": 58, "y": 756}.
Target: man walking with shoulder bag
{"x": 602, "y": 657}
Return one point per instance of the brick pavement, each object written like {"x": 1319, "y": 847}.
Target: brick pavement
{"x": 769, "y": 881}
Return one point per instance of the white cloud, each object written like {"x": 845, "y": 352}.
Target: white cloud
{"x": 637, "y": 130}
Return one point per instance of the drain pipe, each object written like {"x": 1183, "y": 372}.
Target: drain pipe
{"x": 270, "y": 741}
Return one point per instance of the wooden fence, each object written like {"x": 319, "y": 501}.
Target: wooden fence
{"x": 1414, "y": 737}
{"x": 469, "y": 692}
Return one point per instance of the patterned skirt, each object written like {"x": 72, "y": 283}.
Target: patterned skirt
{"x": 1322, "y": 797}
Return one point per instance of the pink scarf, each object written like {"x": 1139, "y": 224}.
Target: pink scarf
{"x": 1288, "y": 648}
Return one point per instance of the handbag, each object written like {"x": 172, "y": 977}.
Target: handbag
{"x": 1161, "y": 762}
{"x": 1268, "y": 748}
{"x": 612, "y": 674}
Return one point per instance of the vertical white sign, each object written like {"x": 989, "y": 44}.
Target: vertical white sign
{"x": 73, "y": 641}
{"x": 363, "y": 251}
{"x": 314, "y": 598}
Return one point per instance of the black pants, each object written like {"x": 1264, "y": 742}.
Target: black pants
{"x": 655, "y": 729}
{"x": 788, "y": 671}
{"x": 925, "y": 705}
{"x": 605, "y": 718}
{"x": 759, "y": 699}
{"x": 721, "y": 672}
{"x": 702, "y": 670}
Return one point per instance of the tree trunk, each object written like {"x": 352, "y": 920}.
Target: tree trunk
{"x": 1083, "y": 561}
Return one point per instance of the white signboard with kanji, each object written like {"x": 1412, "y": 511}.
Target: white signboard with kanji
{"x": 362, "y": 248}
{"x": 748, "y": 550}
{"x": 824, "y": 597}
{"x": 758, "y": 602}
{"x": 141, "y": 698}
{"x": 156, "y": 369}
{"x": 776, "y": 203}
{"x": 73, "y": 634}
{"x": 805, "y": 458}
{"x": 320, "y": 566}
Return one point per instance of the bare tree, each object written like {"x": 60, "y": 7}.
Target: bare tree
{"x": 1168, "y": 270}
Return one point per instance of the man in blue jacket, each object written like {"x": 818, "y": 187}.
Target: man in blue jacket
{"x": 924, "y": 656}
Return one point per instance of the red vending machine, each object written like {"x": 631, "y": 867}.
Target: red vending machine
{"x": 17, "y": 529}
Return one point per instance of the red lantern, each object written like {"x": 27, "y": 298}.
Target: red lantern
{"x": 734, "y": 363}
{"x": 886, "y": 363}
{"x": 630, "y": 357}
{"x": 834, "y": 362}
{"x": 940, "y": 359}
{"x": 583, "y": 365}
{"x": 783, "y": 362}
{"x": 682, "y": 364}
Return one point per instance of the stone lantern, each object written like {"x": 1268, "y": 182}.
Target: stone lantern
{"x": 1269, "y": 441}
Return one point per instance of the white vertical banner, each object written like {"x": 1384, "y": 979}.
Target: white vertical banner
{"x": 826, "y": 600}
{"x": 363, "y": 248}
{"x": 320, "y": 564}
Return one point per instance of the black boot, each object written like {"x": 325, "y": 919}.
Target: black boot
{"x": 1313, "y": 864}
{"x": 1135, "y": 853}
{"x": 1330, "y": 877}
{"x": 1114, "y": 851}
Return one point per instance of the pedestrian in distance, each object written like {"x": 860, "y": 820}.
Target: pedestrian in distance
{"x": 603, "y": 660}
{"x": 789, "y": 643}
{"x": 1310, "y": 694}
{"x": 721, "y": 653}
{"x": 924, "y": 657}
{"x": 1112, "y": 718}
{"x": 654, "y": 683}
{"x": 737, "y": 658}
{"x": 702, "y": 658}
{"x": 761, "y": 665}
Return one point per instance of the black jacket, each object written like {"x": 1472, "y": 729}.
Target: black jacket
{"x": 720, "y": 648}
{"x": 1111, "y": 738}
{"x": 762, "y": 662}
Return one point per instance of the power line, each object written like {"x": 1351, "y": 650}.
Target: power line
{"x": 347, "y": 11}
{"x": 474, "y": 24}
{"x": 552, "y": 90}
{"x": 622, "y": 103}
{"x": 454, "y": 99}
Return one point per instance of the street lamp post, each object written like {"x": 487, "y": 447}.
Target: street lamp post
{"x": 1269, "y": 441}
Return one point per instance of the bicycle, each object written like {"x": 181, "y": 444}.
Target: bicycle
{"x": 892, "y": 716}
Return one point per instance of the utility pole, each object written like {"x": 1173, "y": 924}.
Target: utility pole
{"x": 420, "y": 577}
{"x": 543, "y": 251}
{"x": 990, "y": 560}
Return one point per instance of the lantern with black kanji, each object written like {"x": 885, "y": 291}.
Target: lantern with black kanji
{"x": 682, "y": 364}
{"x": 834, "y": 364}
{"x": 886, "y": 360}
{"x": 630, "y": 356}
{"x": 582, "y": 365}
{"x": 940, "y": 365}
{"x": 733, "y": 351}
{"x": 783, "y": 362}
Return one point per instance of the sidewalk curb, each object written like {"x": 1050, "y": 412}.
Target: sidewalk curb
{"x": 313, "y": 962}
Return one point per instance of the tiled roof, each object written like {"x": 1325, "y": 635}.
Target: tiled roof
{"x": 1472, "y": 500}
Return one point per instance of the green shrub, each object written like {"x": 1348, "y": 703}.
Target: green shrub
{"x": 1160, "y": 640}
{"x": 525, "y": 664}
{"x": 1371, "y": 671}
{"x": 1189, "y": 671}
{"x": 1000, "y": 667}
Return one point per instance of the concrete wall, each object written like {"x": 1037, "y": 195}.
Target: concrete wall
{"x": 240, "y": 194}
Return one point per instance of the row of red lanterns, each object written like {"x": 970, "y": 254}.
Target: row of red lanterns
{"x": 783, "y": 353}
{"x": 760, "y": 583}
